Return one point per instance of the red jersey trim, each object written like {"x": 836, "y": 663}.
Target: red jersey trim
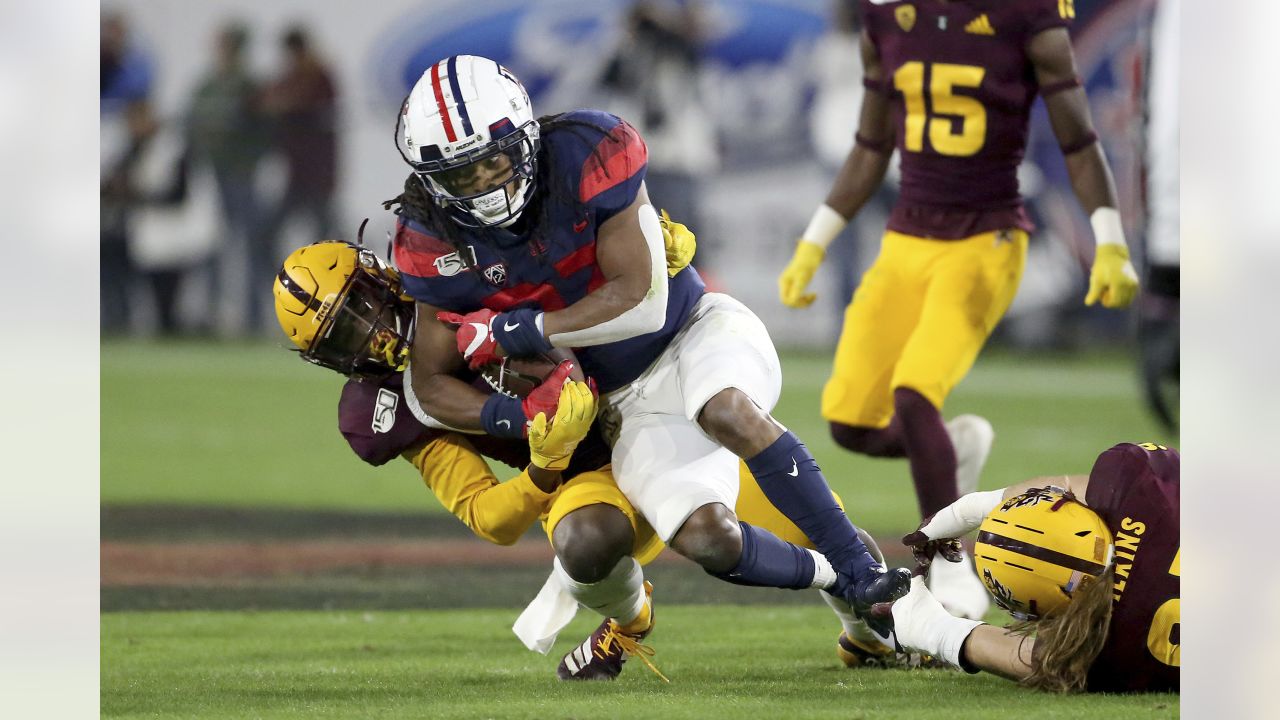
{"x": 416, "y": 252}
{"x": 619, "y": 156}
{"x": 576, "y": 260}
{"x": 546, "y": 297}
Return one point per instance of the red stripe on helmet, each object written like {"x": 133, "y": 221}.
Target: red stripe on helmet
{"x": 444, "y": 111}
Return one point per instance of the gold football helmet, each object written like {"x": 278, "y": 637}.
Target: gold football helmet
{"x": 343, "y": 307}
{"x": 1036, "y": 549}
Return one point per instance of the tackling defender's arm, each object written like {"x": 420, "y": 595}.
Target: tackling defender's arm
{"x": 861, "y": 174}
{"x": 1113, "y": 279}
{"x": 499, "y": 512}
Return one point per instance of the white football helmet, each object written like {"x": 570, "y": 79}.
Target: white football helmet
{"x": 472, "y": 140}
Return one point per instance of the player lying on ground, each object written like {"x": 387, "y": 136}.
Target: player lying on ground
{"x": 1090, "y": 567}
{"x": 342, "y": 307}
{"x": 542, "y": 232}
{"x": 950, "y": 86}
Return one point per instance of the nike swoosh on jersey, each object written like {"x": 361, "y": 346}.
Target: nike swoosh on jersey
{"x": 508, "y": 327}
{"x": 482, "y": 332}
{"x": 504, "y": 423}
{"x": 795, "y": 468}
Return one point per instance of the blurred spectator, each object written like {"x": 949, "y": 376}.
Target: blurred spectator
{"x": 227, "y": 136}
{"x": 158, "y": 246}
{"x": 301, "y": 104}
{"x": 126, "y": 125}
{"x": 654, "y": 76}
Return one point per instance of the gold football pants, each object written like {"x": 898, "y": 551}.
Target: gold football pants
{"x": 918, "y": 320}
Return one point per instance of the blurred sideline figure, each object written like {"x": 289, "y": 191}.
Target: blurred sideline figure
{"x": 126, "y": 125}
{"x": 1158, "y": 334}
{"x": 1089, "y": 565}
{"x": 228, "y": 138}
{"x": 175, "y": 223}
{"x": 654, "y": 77}
{"x": 950, "y": 85}
{"x": 301, "y": 104}
{"x": 520, "y": 235}
{"x": 364, "y": 328}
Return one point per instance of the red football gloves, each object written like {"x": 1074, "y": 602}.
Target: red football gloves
{"x": 476, "y": 342}
{"x": 485, "y": 336}
{"x": 505, "y": 416}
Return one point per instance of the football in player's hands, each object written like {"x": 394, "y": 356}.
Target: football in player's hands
{"x": 518, "y": 377}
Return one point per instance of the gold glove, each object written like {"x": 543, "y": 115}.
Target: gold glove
{"x": 680, "y": 244}
{"x": 551, "y": 444}
{"x": 1113, "y": 279}
{"x": 796, "y": 276}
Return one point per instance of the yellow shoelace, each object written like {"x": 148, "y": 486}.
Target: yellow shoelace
{"x": 629, "y": 645}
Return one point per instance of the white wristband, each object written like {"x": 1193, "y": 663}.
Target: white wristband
{"x": 1107, "y": 228}
{"x": 825, "y": 225}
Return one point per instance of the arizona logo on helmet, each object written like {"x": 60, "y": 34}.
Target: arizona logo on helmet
{"x": 468, "y": 120}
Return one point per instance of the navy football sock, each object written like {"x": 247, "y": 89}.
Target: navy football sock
{"x": 789, "y": 476}
{"x": 769, "y": 561}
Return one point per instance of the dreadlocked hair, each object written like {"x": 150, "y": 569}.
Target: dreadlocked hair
{"x": 1069, "y": 639}
{"x": 415, "y": 203}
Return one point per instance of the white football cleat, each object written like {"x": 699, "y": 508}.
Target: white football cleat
{"x": 957, "y": 587}
{"x": 972, "y": 437}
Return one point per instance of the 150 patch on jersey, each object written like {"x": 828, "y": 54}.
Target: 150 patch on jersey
{"x": 384, "y": 412}
{"x": 455, "y": 262}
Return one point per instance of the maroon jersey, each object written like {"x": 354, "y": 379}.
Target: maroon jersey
{"x": 375, "y": 419}
{"x": 961, "y": 87}
{"x": 1134, "y": 488}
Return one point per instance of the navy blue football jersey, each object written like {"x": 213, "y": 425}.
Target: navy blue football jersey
{"x": 590, "y": 170}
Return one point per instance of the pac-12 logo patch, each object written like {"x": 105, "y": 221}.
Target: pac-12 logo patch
{"x": 496, "y": 274}
{"x": 384, "y": 411}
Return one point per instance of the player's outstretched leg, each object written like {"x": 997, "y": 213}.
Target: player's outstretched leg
{"x": 792, "y": 481}
{"x": 594, "y": 564}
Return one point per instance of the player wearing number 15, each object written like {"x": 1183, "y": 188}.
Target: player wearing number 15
{"x": 949, "y": 85}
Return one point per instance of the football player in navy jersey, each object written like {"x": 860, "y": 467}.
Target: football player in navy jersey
{"x": 528, "y": 234}
{"x": 342, "y": 308}
{"x": 1089, "y": 564}
{"x": 950, "y": 86}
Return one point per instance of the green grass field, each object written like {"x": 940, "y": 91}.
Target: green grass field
{"x": 727, "y": 661}
{"x": 249, "y": 425}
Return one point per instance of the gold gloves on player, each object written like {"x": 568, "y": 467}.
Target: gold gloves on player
{"x": 1113, "y": 279}
{"x": 679, "y": 242}
{"x": 551, "y": 447}
{"x": 799, "y": 272}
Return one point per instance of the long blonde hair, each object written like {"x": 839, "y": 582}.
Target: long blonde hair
{"x": 1068, "y": 640}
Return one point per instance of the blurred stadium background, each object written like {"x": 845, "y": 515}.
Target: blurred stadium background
{"x": 224, "y": 482}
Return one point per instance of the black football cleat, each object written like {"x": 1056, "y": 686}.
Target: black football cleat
{"x": 877, "y": 585}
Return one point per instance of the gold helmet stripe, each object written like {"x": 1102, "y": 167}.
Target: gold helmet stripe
{"x": 1035, "y": 551}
